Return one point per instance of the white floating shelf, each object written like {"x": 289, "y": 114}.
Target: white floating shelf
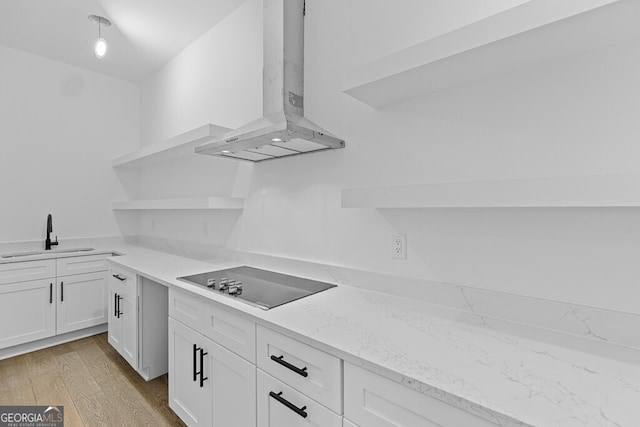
{"x": 179, "y": 146}
{"x": 534, "y": 32}
{"x": 193, "y": 203}
{"x": 615, "y": 190}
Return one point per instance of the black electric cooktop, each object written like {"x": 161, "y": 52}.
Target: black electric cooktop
{"x": 262, "y": 288}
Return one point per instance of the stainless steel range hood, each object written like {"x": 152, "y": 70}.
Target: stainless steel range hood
{"x": 283, "y": 130}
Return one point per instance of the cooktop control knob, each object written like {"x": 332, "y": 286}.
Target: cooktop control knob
{"x": 235, "y": 288}
{"x": 224, "y": 284}
{"x": 211, "y": 283}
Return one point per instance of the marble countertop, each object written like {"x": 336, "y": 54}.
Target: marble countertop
{"x": 510, "y": 373}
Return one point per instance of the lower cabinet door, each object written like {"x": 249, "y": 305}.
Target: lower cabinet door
{"x": 208, "y": 384}
{"x": 189, "y": 397}
{"x": 234, "y": 387}
{"x": 27, "y": 312}
{"x": 82, "y": 301}
{"x": 280, "y": 405}
{"x": 114, "y": 335}
{"x": 129, "y": 314}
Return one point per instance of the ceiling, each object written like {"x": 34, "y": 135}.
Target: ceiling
{"x": 144, "y": 35}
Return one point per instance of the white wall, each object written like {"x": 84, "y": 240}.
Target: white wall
{"x": 571, "y": 117}
{"x": 60, "y": 126}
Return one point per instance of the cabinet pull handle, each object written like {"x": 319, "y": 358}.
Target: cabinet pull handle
{"x": 202, "y": 377}
{"x": 285, "y": 402}
{"x": 119, "y": 312}
{"x": 200, "y": 372}
{"x": 195, "y": 361}
{"x": 288, "y": 365}
{"x": 61, "y": 291}
{"x": 50, "y": 293}
{"x": 117, "y": 276}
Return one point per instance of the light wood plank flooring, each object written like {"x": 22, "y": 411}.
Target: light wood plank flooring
{"x": 96, "y": 386}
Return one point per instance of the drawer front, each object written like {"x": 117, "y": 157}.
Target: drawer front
{"x": 309, "y": 370}
{"x": 124, "y": 279}
{"x": 80, "y": 265}
{"x": 230, "y": 330}
{"x": 13, "y": 272}
{"x": 187, "y": 308}
{"x": 273, "y": 411}
{"x": 374, "y": 401}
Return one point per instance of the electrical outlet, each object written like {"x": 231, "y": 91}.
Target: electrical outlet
{"x": 399, "y": 246}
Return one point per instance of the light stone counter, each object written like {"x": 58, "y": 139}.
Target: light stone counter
{"x": 511, "y": 373}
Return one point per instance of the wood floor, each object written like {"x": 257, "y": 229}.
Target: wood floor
{"x": 96, "y": 386}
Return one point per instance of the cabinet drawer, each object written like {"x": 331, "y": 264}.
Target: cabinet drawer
{"x": 124, "y": 279}
{"x": 273, "y": 412}
{"x": 80, "y": 265}
{"x": 309, "y": 370}
{"x": 29, "y": 270}
{"x": 230, "y": 330}
{"x": 186, "y": 308}
{"x": 374, "y": 401}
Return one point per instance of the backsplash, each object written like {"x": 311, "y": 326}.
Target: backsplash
{"x": 605, "y": 326}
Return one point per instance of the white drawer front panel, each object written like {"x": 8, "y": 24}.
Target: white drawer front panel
{"x": 125, "y": 279}
{"x": 81, "y": 264}
{"x": 374, "y": 401}
{"x": 186, "y": 307}
{"x": 323, "y": 380}
{"x": 30, "y": 270}
{"x": 231, "y": 331}
{"x": 275, "y": 413}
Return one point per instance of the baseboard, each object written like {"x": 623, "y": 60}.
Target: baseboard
{"x": 17, "y": 350}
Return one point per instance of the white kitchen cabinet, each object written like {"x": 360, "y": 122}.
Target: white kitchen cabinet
{"x": 189, "y": 399}
{"x": 80, "y": 265}
{"x": 347, "y": 423}
{"x": 23, "y": 271}
{"x": 208, "y": 384}
{"x": 43, "y": 298}
{"x": 81, "y": 301}
{"x": 282, "y": 405}
{"x": 27, "y": 311}
{"x": 123, "y": 315}
{"x": 82, "y": 292}
{"x": 138, "y": 313}
{"x": 374, "y": 401}
{"x": 313, "y": 372}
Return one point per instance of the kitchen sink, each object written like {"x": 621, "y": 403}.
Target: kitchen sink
{"x": 43, "y": 252}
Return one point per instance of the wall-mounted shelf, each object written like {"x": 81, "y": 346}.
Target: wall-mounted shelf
{"x": 534, "y": 32}
{"x": 179, "y": 146}
{"x": 614, "y": 190}
{"x": 192, "y": 203}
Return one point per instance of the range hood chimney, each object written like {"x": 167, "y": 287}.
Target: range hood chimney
{"x": 283, "y": 130}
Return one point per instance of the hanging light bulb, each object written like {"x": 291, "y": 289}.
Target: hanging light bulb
{"x": 100, "y": 47}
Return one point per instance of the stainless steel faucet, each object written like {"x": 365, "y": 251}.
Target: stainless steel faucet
{"x": 48, "y": 243}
